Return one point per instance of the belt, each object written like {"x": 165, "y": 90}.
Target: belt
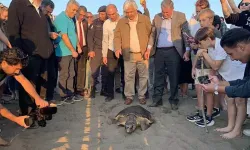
{"x": 135, "y": 52}
{"x": 165, "y": 48}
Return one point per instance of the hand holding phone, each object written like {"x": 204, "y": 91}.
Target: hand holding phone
{"x": 59, "y": 33}
{"x": 190, "y": 39}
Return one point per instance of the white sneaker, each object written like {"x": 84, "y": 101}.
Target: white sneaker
{"x": 246, "y": 132}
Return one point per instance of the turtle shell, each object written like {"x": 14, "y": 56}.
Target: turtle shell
{"x": 138, "y": 111}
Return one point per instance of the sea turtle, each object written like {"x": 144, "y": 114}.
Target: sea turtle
{"x": 132, "y": 117}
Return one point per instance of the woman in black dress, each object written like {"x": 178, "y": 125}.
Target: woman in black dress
{"x": 185, "y": 77}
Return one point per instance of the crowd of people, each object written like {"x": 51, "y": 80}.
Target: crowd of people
{"x": 41, "y": 54}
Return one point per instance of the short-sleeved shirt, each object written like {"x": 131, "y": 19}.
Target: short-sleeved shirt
{"x": 66, "y": 25}
{"x": 229, "y": 70}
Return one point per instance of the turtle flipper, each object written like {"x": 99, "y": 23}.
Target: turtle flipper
{"x": 144, "y": 124}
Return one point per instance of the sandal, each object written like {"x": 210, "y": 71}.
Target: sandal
{"x": 142, "y": 101}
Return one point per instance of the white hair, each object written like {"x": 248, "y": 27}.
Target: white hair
{"x": 73, "y": 2}
{"x": 167, "y": 3}
{"x": 128, "y": 3}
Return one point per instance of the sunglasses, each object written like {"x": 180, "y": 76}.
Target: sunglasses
{"x": 246, "y": 4}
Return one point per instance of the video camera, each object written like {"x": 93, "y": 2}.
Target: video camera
{"x": 41, "y": 115}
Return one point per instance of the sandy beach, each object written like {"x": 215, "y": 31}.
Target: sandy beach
{"x": 84, "y": 126}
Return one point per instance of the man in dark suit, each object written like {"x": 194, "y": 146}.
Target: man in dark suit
{"x": 95, "y": 36}
{"x": 81, "y": 28}
{"x": 167, "y": 45}
{"x": 47, "y": 8}
{"x": 21, "y": 28}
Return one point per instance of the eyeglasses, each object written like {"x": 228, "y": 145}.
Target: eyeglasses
{"x": 246, "y": 4}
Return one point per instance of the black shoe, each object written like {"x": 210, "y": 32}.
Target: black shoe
{"x": 109, "y": 98}
{"x": 156, "y": 104}
{"x": 216, "y": 112}
{"x": 68, "y": 100}
{"x": 118, "y": 90}
{"x": 174, "y": 106}
{"x": 209, "y": 120}
{"x": 194, "y": 118}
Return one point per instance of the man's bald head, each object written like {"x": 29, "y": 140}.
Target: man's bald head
{"x": 112, "y": 12}
{"x": 111, "y": 6}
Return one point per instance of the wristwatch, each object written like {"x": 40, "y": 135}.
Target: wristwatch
{"x": 216, "y": 89}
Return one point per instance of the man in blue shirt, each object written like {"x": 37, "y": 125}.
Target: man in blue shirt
{"x": 66, "y": 52}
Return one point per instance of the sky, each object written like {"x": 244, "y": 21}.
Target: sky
{"x": 185, "y": 6}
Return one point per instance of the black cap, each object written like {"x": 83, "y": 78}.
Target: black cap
{"x": 102, "y": 9}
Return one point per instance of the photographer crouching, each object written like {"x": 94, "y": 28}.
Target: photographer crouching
{"x": 11, "y": 62}
{"x": 236, "y": 43}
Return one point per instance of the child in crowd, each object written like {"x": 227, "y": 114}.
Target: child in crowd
{"x": 206, "y": 19}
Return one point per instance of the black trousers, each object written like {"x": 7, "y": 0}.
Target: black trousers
{"x": 120, "y": 67}
{"x": 37, "y": 72}
{"x": 166, "y": 58}
{"x": 52, "y": 67}
{"x": 96, "y": 66}
{"x": 80, "y": 69}
{"x": 111, "y": 66}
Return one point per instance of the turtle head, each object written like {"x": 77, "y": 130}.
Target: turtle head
{"x": 130, "y": 124}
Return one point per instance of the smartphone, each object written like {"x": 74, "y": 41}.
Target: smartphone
{"x": 58, "y": 32}
{"x": 204, "y": 79}
{"x": 190, "y": 39}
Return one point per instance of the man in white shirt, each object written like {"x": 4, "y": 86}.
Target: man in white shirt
{"x": 81, "y": 28}
{"x": 108, "y": 48}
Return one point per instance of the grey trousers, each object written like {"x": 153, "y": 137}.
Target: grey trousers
{"x": 151, "y": 73}
{"x": 80, "y": 68}
{"x": 130, "y": 68}
{"x": 66, "y": 75}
